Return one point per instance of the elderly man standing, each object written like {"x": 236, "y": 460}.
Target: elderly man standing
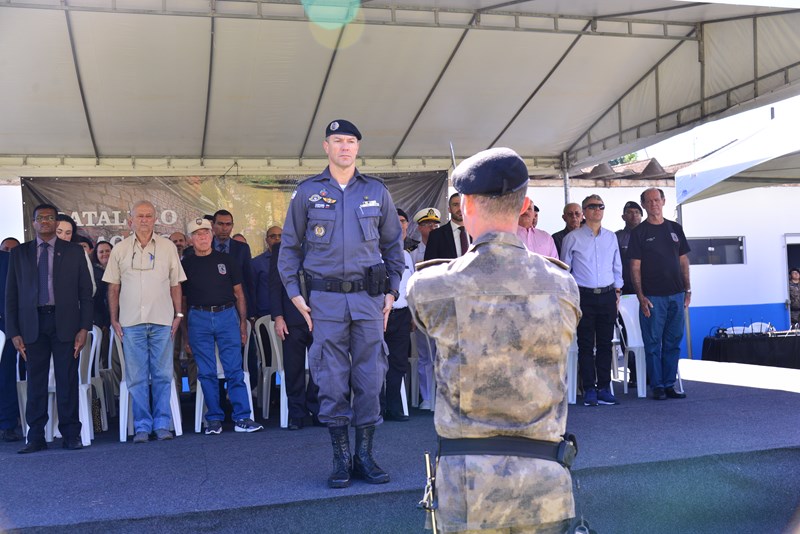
{"x": 535, "y": 240}
{"x": 217, "y": 318}
{"x": 343, "y": 233}
{"x": 573, "y": 215}
{"x": 144, "y": 275}
{"x": 501, "y": 403}
{"x": 660, "y": 271}
{"x": 592, "y": 253}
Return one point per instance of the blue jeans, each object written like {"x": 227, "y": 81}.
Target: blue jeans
{"x": 148, "y": 358}
{"x": 207, "y": 329}
{"x": 662, "y": 333}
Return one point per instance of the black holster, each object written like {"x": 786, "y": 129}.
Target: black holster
{"x": 377, "y": 280}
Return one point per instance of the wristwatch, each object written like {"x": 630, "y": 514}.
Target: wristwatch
{"x": 179, "y": 314}
{"x": 392, "y": 292}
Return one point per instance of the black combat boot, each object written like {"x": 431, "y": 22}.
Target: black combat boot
{"x": 364, "y": 465}
{"x": 342, "y": 462}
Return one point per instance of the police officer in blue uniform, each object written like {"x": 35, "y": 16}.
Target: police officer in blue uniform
{"x": 341, "y": 262}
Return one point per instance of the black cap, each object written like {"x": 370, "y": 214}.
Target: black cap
{"x": 631, "y": 204}
{"x": 342, "y": 127}
{"x": 536, "y": 208}
{"x": 401, "y": 213}
{"x": 492, "y": 172}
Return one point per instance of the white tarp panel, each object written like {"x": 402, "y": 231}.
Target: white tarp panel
{"x": 768, "y": 157}
{"x": 197, "y": 86}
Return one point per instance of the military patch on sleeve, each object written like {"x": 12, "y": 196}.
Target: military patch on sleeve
{"x": 557, "y": 262}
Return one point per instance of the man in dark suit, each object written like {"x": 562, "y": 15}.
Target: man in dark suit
{"x": 9, "y": 409}
{"x": 49, "y": 311}
{"x": 292, "y": 328}
{"x": 450, "y": 240}
{"x": 222, "y": 226}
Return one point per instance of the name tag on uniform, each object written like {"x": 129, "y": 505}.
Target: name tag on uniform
{"x": 370, "y": 204}
{"x": 322, "y": 206}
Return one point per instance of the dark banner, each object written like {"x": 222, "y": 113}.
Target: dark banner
{"x": 100, "y": 205}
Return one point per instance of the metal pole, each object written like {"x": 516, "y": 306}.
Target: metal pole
{"x": 565, "y": 176}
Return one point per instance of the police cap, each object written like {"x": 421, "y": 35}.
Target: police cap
{"x": 492, "y": 172}
{"x": 342, "y": 127}
{"x": 631, "y": 204}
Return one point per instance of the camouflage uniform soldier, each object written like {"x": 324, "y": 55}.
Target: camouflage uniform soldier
{"x": 503, "y": 318}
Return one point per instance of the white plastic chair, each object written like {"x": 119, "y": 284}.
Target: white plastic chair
{"x": 126, "y": 406}
{"x": 98, "y": 383}
{"x": 267, "y": 371}
{"x": 50, "y": 429}
{"x": 200, "y": 407}
{"x": 88, "y": 354}
{"x": 629, "y": 310}
{"x": 107, "y": 376}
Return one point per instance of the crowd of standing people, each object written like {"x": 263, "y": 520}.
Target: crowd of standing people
{"x": 492, "y": 301}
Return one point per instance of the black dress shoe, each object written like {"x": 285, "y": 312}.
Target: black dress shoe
{"x": 9, "y": 434}
{"x": 295, "y": 424}
{"x": 392, "y": 416}
{"x": 316, "y": 422}
{"x": 33, "y": 446}
{"x": 658, "y": 394}
{"x": 72, "y": 444}
{"x": 672, "y": 394}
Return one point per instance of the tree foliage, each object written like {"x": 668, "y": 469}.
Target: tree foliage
{"x": 627, "y": 158}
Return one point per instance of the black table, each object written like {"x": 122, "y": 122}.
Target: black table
{"x": 757, "y": 349}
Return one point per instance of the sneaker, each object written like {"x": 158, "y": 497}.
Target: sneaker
{"x": 247, "y": 425}
{"x": 590, "y": 397}
{"x": 213, "y": 427}
{"x": 141, "y": 437}
{"x": 162, "y": 434}
{"x": 604, "y": 396}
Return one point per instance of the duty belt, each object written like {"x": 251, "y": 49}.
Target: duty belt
{"x": 596, "y": 290}
{"x": 563, "y": 452}
{"x": 339, "y": 286}
{"x": 213, "y": 308}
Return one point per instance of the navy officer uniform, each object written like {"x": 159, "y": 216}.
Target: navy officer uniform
{"x": 349, "y": 231}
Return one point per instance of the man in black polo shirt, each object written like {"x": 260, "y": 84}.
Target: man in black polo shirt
{"x": 217, "y": 314}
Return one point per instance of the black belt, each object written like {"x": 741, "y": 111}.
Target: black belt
{"x": 46, "y": 309}
{"x": 213, "y": 308}
{"x": 596, "y": 290}
{"x": 399, "y": 309}
{"x": 563, "y": 452}
{"x": 339, "y": 286}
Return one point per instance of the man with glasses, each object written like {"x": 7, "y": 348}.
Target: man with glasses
{"x": 592, "y": 254}
{"x": 427, "y": 220}
{"x": 49, "y": 310}
{"x": 144, "y": 275}
{"x": 572, "y": 215}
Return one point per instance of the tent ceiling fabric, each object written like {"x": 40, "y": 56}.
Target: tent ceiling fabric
{"x": 225, "y": 80}
{"x": 770, "y": 156}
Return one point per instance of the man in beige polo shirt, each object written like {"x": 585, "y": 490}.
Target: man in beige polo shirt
{"x": 144, "y": 298}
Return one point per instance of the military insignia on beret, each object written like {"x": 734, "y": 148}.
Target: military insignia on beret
{"x": 314, "y": 198}
{"x": 221, "y": 268}
{"x": 334, "y": 126}
{"x": 319, "y": 231}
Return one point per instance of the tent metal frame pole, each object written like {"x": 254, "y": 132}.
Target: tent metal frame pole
{"x": 80, "y": 84}
{"x": 565, "y": 175}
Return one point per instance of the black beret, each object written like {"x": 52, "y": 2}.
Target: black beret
{"x": 631, "y": 204}
{"x": 401, "y": 213}
{"x": 492, "y": 172}
{"x": 342, "y": 127}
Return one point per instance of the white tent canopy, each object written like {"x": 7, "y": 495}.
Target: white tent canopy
{"x": 194, "y": 86}
{"x": 770, "y": 156}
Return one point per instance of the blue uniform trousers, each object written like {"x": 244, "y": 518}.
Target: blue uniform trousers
{"x": 335, "y": 373}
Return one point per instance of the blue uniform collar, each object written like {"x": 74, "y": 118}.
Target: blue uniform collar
{"x": 326, "y": 175}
